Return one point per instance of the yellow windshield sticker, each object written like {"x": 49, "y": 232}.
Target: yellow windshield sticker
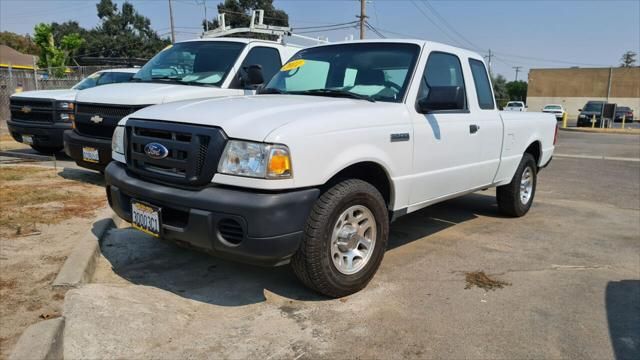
{"x": 292, "y": 65}
{"x": 167, "y": 48}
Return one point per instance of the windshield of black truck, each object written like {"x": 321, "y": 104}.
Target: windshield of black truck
{"x": 374, "y": 72}
{"x": 593, "y": 107}
{"x": 192, "y": 63}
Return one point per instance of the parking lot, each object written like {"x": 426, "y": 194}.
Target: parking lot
{"x": 571, "y": 268}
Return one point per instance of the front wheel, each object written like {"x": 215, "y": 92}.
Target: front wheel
{"x": 344, "y": 239}
{"x": 515, "y": 198}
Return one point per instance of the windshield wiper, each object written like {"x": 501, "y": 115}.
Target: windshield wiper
{"x": 270, "y": 91}
{"x": 334, "y": 93}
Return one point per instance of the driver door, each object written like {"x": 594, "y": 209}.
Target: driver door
{"x": 443, "y": 151}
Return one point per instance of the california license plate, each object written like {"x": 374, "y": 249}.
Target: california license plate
{"x": 27, "y": 139}
{"x": 145, "y": 218}
{"x": 90, "y": 154}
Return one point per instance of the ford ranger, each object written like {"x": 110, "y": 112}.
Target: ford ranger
{"x": 342, "y": 140}
{"x": 39, "y": 118}
{"x": 208, "y": 67}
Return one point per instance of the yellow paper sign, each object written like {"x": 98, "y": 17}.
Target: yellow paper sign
{"x": 292, "y": 65}
{"x": 167, "y": 48}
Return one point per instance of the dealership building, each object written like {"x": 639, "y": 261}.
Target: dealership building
{"x": 573, "y": 87}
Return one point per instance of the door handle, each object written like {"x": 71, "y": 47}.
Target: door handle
{"x": 473, "y": 128}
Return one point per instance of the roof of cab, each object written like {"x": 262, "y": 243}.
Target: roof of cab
{"x": 421, "y": 43}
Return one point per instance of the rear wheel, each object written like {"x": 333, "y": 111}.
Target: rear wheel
{"x": 515, "y": 198}
{"x": 344, "y": 241}
{"x": 46, "y": 149}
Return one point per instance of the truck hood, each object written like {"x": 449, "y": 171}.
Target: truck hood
{"x": 132, "y": 93}
{"x": 63, "y": 94}
{"x": 255, "y": 117}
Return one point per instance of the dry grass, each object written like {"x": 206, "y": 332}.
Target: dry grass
{"x": 483, "y": 281}
{"x": 7, "y": 142}
{"x": 31, "y": 195}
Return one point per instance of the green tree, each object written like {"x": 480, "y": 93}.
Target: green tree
{"x": 517, "y": 90}
{"x": 51, "y": 56}
{"x": 500, "y": 89}
{"x": 628, "y": 59}
{"x": 122, "y": 33}
{"x": 22, "y": 43}
{"x": 238, "y": 14}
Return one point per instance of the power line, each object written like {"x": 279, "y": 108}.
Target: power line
{"x": 446, "y": 23}
{"x": 380, "y": 35}
{"x": 434, "y": 23}
{"x": 517, "y": 69}
{"x": 325, "y": 26}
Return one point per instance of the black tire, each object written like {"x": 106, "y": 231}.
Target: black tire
{"x": 313, "y": 263}
{"x": 46, "y": 149}
{"x": 508, "y": 196}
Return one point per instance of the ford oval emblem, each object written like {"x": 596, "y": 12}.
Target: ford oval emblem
{"x": 156, "y": 151}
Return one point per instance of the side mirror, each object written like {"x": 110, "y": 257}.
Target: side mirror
{"x": 579, "y": 109}
{"x": 252, "y": 76}
{"x": 442, "y": 98}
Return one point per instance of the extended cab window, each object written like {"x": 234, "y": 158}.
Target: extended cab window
{"x": 483, "y": 86}
{"x": 443, "y": 71}
{"x": 375, "y": 72}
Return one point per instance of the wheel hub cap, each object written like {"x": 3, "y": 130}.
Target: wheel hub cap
{"x": 353, "y": 239}
{"x": 526, "y": 185}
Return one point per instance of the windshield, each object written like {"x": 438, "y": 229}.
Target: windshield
{"x": 552, "y": 107}
{"x": 595, "y": 107}
{"x": 514, "y": 104}
{"x": 103, "y": 78}
{"x": 375, "y": 72}
{"x": 192, "y": 63}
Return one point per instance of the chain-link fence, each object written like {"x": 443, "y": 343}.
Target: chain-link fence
{"x": 14, "y": 80}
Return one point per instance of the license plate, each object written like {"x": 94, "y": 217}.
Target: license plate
{"x": 90, "y": 154}
{"x": 27, "y": 139}
{"x": 145, "y": 218}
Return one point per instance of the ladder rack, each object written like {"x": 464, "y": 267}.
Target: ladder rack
{"x": 257, "y": 26}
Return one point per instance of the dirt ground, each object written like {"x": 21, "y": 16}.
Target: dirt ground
{"x": 43, "y": 211}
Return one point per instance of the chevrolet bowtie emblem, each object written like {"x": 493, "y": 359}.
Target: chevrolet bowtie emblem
{"x": 96, "y": 119}
{"x": 26, "y": 109}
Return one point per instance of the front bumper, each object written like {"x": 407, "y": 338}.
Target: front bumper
{"x": 272, "y": 223}
{"x": 44, "y": 134}
{"x": 74, "y": 142}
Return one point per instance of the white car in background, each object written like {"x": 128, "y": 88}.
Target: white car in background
{"x": 554, "y": 109}
{"x": 515, "y": 106}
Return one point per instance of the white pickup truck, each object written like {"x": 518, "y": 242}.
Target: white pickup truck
{"x": 40, "y": 117}
{"x": 342, "y": 140}
{"x": 516, "y": 106}
{"x": 193, "y": 69}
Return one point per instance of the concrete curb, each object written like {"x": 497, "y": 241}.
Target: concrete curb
{"x": 41, "y": 340}
{"x": 80, "y": 265}
{"x": 603, "y": 131}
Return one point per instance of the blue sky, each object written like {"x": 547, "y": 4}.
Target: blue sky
{"x": 531, "y": 34}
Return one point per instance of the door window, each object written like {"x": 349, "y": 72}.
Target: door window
{"x": 443, "y": 70}
{"x": 268, "y": 58}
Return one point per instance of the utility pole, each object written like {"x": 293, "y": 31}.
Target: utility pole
{"x": 488, "y": 57}
{"x": 517, "y": 69}
{"x": 173, "y": 30}
{"x": 363, "y": 17}
{"x": 206, "y": 21}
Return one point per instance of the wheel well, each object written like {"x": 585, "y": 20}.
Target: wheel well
{"x": 535, "y": 150}
{"x": 370, "y": 172}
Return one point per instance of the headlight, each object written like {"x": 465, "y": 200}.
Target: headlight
{"x": 117, "y": 141}
{"x": 65, "y": 105}
{"x": 245, "y": 158}
{"x": 582, "y": 116}
{"x": 67, "y": 117}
